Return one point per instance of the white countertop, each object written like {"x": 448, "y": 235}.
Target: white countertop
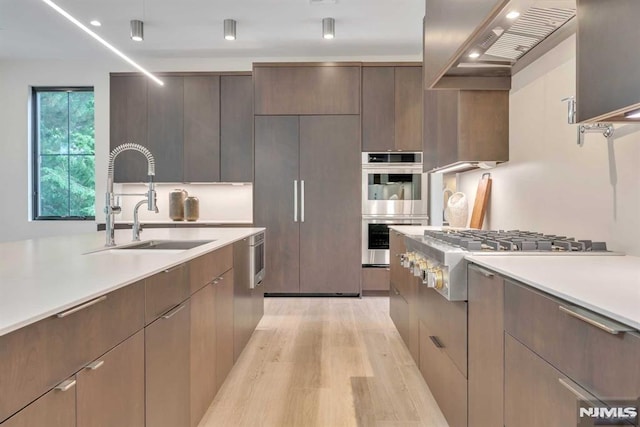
{"x": 608, "y": 285}
{"x": 42, "y": 277}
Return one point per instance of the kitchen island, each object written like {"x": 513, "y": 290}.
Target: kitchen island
{"x": 117, "y": 325}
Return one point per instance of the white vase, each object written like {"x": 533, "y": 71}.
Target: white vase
{"x": 457, "y": 211}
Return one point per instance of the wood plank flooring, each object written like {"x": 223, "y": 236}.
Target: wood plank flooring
{"x": 325, "y": 362}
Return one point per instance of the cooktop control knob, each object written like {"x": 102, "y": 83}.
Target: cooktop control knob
{"x": 436, "y": 278}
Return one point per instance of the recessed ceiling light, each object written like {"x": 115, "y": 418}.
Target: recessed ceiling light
{"x": 96, "y": 23}
{"x": 513, "y": 14}
{"x": 102, "y": 41}
{"x": 474, "y": 55}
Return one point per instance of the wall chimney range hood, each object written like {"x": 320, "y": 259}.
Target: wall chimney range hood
{"x": 511, "y": 35}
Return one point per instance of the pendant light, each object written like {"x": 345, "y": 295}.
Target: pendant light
{"x": 137, "y": 30}
{"x": 328, "y": 28}
{"x": 229, "y": 29}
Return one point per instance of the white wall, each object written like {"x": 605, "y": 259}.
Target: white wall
{"x": 16, "y": 78}
{"x": 550, "y": 183}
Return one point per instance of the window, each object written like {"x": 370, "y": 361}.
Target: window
{"x": 63, "y": 153}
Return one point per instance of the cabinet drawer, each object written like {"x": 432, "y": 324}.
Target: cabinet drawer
{"x": 204, "y": 269}
{"x": 164, "y": 291}
{"x": 399, "y": 312}
{"x": 533, "y": 393}
{"x": 446, "y": 382}
{"x": 603, "y": 363}
{"x": 447, "y": 320}
{"x": 57, "y": 408}
{"x": 37, "y": 357}
{"x": 375, "y": 279}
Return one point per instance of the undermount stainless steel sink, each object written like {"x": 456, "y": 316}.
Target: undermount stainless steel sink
{"x": 166, "y": 244}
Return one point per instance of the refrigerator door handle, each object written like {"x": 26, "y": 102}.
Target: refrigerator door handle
{"x": 302, "y": 200}
{"x": 295, "y": 200}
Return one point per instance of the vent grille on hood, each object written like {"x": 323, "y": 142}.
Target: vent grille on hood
{"x": 529, "y": 30}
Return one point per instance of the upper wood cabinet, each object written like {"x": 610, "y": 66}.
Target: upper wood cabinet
{"x": 182, "y": 123}
{"x": 306, "y": 89}
{"x": 391, "y": 108}
{"x": 607, "y": 71}
{"x": 465, "y": 126}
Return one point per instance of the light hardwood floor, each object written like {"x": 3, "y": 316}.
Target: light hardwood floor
{"x": 325, "y": 362}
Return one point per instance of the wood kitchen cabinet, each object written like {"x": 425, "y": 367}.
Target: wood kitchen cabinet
{"x": 465, "y": 126}
{"x": 224, "y": 327}
{"x": 309, "y": 165}
{"x": 167, "y": 372}
{"x": 294, "y": 89}
{"x": 391, "y": 108}
{"x": 182, "y": 123}
{"x": 236, "y": 129}
{"x": 398, "y": 304}
{"x": 57, "y": 408}
{"x": 486, "y": 347}
{"x": 110, "y": 390}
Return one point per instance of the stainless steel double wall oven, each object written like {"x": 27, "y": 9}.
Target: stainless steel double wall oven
{"x": 394, "y": 191}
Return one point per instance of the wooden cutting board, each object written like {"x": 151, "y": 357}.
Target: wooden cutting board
{"x": 481, "y": 202}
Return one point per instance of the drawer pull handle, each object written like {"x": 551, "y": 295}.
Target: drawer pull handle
{"x": 482, "y": 271}
{"x": 95, "y": 365}
{"x": 436, "y": 341}
{"x": 169, "y": 270}
{"x": 66, "y": 385}
{"x": 576, "y": 390}
{"x": 81, "y": 307}
{"x": 173, "y": 312}
{"x": 606, "y": 325}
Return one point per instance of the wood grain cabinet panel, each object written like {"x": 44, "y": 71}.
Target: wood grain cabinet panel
{"x": 110, "y": 390}
{"x": 289, "y": 90}
{"x": 204, "y": 269}
{"x": 397, "y": 248}
{"x": 408, "y": 108}
{"x": 165, "y": 128}
{"x": 128, "y": 123}
{"x": 165, "y": 290}
{"x": 236, "y": 129}
{"x": 446, "y": 382}
{"x": 56, "y": 408}
{"x": 167, "y": 371}
{"x": 604, "y": 364}
{"x": 486, "y": 347}
{"x": 375, "y": 279}
{"x": 533, "y": 393}
{"x": 242, "y": 298}
{"x": 224, "y": 328}
{"x": 465, "y": 126}
{"x": 201, "y": 132}
{"x": 399, "y": 313}
{"x": 203, "y": 351}
{"x": 378, "y": 108}
{"x": 59, "y": 346}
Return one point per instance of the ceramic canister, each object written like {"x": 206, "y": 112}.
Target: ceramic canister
{"x": 176, "y": 204}
{"x": 191, "y": 208}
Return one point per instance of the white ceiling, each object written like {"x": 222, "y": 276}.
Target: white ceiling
{"x": 193, "y": 28}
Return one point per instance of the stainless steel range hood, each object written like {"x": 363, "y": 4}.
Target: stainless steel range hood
{"x": 513, "y": 35}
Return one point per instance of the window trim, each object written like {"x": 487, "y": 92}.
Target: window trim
{"x": 35, "y": 155}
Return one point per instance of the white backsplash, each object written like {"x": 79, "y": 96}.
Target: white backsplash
{"x": 231, "y": 203}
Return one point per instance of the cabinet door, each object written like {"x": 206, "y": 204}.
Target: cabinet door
{"x": 202, "y": 129}
{"x": 111, "y": 389}
{"x": 224, "y": 327}
{"x": 242, "y": 302}
{"x": 533, "y": 392}
{"x": 128, "y": 123}
{"x": 408, "y": 108}
{"x": 276, "y": 170}
{"x": 165, "y": 126}
{"x": 57, "y": 408}
{"x": 203, "y": 351}
{"x": 399, "y": 313}
{"x": 167, "y": 373}
{"x": 378, "y": 109}
{"x": 486, "y": 347}
{"x": 330, "y": 203}
{"x": 236, "y": 129}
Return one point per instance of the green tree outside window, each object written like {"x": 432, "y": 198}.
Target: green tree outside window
{"x": 64, "y": 153}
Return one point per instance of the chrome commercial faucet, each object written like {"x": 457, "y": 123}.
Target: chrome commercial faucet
{"x": 111, "y": 209}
